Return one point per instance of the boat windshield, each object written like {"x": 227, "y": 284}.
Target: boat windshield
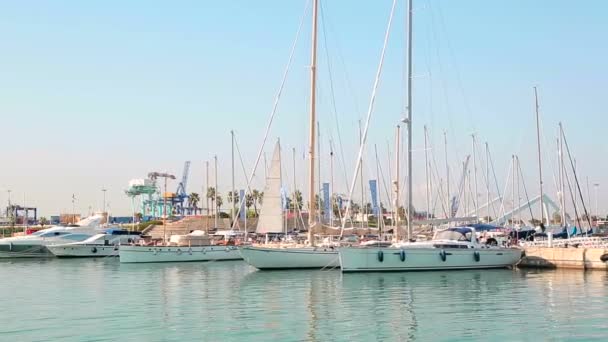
{"x": 76, "y": 237}
{"x": 454, "y": 235}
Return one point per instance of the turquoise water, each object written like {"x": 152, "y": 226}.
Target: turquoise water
{"x": 102, "y": 300}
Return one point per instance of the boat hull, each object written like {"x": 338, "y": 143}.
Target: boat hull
{"x": 369, "y": 259}
{"x": 24, "y": 251}
{"x": 83, "y": 251}
{"x": 264, "y": 258}
{"x": 142, "y": 254}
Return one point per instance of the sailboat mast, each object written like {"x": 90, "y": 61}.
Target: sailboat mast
{"x": 379, "y": 214}
{"x": 396, "y": 182}
{"x": 216, "y": 194}
{"x": 331, "y": 184}
{"x": 560, "y": 147}
{"x": 206, "y": 192}
{"x": 313, "y": 120}
{"x": 363, "y": 207}
{"x": 233, "y": 211}
{"x": 409, "y": 124}
{"x": 447, "y": 175}
{"x": 426, "y": 172}
{"x": 540, "y": 168}
{"x": 295, "y": 198}
{"x": 319, "y": 209}
{"x": 488, "y": 182}
{"x": 475, "y": 179}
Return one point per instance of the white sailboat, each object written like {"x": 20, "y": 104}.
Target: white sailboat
{"x": 453, "y": 248}
{"x": 271, "y": 219}
{"x": 196, "y": 246}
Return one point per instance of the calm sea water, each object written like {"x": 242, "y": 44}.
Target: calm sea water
{"x": 102, "y": 300}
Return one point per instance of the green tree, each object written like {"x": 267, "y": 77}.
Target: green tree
{"x": 218, "y": 203}
{"x": 297, "y": 200}
{"x": 212, "y": 196}
{"x": 43, "y": 221}
{"x": 249, "y": 200}
{"x": 193, "y": 200}
{"x": 255, "y": 194}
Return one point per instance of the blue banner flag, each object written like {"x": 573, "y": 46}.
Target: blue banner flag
{"x": 326, "y": 197}
{"x": 374, "y": 192}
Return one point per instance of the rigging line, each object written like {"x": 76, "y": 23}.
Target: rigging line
{"x": 370, "y": 110}
{"x": 523, "y": 182}
{"x": 552, "y": 162}
{"x": 495, "y": 180}
{"x": 278, "y": 97}
{"x": 442, "y": 79}
{"x": 574, "y": 204}
{"x": 455, "y": 64}
{"x": 575, "y": 177}
{"x": 333, "y": 95}
{"x": 502, "y": 211}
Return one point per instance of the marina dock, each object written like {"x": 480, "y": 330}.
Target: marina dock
{"x": 584, "y": 258}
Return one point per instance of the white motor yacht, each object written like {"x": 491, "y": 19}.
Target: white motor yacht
{"x": 452, "y": 248}
{"x": 99, "y": 245}
{"x": 35, "y": 245}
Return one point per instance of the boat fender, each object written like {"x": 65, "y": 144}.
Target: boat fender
{"x": 204, "y": 250}
{"x": 604, "y": 257}
{"x": 10, "y": 246}
{"x": 190, "y": 251}
{"x": 94, "y": 250}
{"x": 179, "y": 251}
{"x": 155, "y": 251}
{"x": 443, "y": 255}
{"x": 476, "y": 256}
{"x": 402, "y": 255}
{"x": 380, "y": 256}
{"x": 227, "y": 249}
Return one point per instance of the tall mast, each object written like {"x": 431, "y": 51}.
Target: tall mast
{"x": 313, "y": 120}
{"x": 331, "y": 184}
{"x": 233, "y": 211}
{"x": 295, "y": 200}
{"x": 540, "y": 168}
{"x": 488, "y": 181}
{"x": 409, "y": 122}
{"x": 562, "y": 175}
{"x": 363, "y": 207}
{"x": 396, "y": 183}
{"x": 513, "y": 191}
{"x": 216, "y": 194}
{"x": 319, "y": 209}
{"x": 379, "y": 214}
{"x": 475, "y": 178}
{"x": 447, "y": 175}
{"x": 426, "y": 172}
{"x": 206, "y": 192}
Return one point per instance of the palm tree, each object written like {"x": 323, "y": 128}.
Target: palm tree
{"x": 43, "y": 221}
{"x": 218, "y": 204}
{"x": 234, "y": 199}
{"x": 261, "y": 198}
{"x": 212, "y": 196}
{"x": 193, "y": 200}
{"x": 297, "y": 200}
{"x": 249, "y": 200}
{"x": 256, "y": 196}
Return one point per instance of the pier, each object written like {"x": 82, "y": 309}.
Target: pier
{"x": 585, "y": 258}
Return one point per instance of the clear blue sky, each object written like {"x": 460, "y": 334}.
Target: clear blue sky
{"x": 96, "y": 93}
